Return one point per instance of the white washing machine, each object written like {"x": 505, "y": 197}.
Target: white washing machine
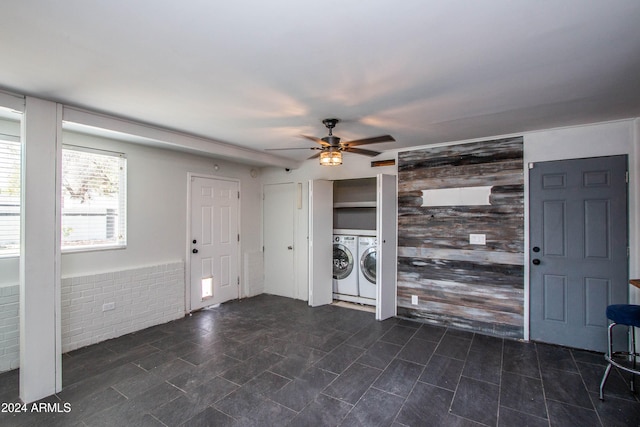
{"x": 345, "y": 270}
{"x": 367, "y": 246}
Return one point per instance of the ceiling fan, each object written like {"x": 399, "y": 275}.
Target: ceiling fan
{"x": 331, "y": 147}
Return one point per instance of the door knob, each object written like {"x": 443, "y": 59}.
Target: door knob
{"x": 290, "y": 248}
{"x": 194, "y": 241}
{"x": 535, "y": 249}
{"x": 536, "y": 261}
{"x": 195, "y": 251}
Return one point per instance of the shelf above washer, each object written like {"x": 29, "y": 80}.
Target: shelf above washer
{"x": 355, "y": 232}
{"x": 340, "y": 205}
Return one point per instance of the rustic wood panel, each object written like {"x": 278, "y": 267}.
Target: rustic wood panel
{"x": 462, "y": 154}
{"x": 449, "y": 227}
{"x": 473, "y": 273}
{"x": 504, "y": 178}
{"x": 448, "y": 177}
{"x": 438, "y": 314}
{"x": 473, "y": 300}
{"x": 480, "y": 256}
{"x": 473, "y": 287}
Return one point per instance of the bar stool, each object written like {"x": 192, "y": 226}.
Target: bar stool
{"x": 627, "y": 315}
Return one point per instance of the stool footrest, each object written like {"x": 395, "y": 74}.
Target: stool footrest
{"x": 629, "y": 316}
{"x": 618, "y": 364}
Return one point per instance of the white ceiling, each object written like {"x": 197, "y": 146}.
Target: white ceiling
{"x": 258, "y": 74}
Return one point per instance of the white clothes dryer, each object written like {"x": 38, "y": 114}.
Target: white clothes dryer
{"x": 345, "y": 271}
{"x": 367, "y": 248}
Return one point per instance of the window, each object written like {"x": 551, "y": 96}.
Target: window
{"x": 9, "y": 195}
{"x": 93, "y": 199}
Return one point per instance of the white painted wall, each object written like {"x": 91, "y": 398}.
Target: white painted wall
{"x": 10, "y": 274}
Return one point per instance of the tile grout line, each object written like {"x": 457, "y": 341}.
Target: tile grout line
{"x": 500, "y": 382}
{"x": 455, "y": 392}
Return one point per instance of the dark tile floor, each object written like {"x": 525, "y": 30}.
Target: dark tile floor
{"x": 271, "y": 361}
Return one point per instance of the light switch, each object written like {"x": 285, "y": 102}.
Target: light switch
{"x": 477, "y": 239}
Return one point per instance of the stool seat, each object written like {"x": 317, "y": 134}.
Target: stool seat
{"x": 624, "y": 314}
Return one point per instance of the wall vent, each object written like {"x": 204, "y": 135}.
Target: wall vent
{"x": 378, "y": 163}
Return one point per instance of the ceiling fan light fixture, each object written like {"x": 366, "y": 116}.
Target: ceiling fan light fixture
{"x": 331, "y": 147}
{"x": 331, "y": 158}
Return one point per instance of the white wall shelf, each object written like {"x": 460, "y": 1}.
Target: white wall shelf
{"x": 346, "y": 205}
{"x": 355, "y": 232}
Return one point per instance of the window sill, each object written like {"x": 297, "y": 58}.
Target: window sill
{"x": 73, "y": 250}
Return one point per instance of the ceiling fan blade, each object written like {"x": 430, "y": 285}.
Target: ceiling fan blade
{"x": 361, "y": 151}
{"x": 315, "y": 156}
{"x": 373, "y": 140}
{"x": 293, "y": 148}
{"x": 317, "y": 140}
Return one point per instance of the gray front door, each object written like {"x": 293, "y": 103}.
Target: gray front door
{"x": 578, "y": 248}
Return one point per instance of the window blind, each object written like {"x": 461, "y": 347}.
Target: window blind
{"x": 9, "y": 195}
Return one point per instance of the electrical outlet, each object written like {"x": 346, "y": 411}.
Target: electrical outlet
{"x": 414, "y": 299}
{"x": 108, "y": 306}
{"x": 477, "y": 239}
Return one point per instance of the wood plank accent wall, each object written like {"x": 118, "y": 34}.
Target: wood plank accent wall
{"x": 473, "y": 287}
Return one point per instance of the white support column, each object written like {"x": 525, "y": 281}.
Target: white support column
{"x": 40, "y": 342}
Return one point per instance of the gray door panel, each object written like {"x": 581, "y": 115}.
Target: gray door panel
{"x": 578, "y": 233}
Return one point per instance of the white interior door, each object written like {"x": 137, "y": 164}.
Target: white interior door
{"x": 320, "y": 242}
{"x": 278, "y": 209}
{"x": 214, "y": 242}
{"x": 386, "y": 265}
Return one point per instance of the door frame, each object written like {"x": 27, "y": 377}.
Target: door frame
{"x": 187, "y": 263}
